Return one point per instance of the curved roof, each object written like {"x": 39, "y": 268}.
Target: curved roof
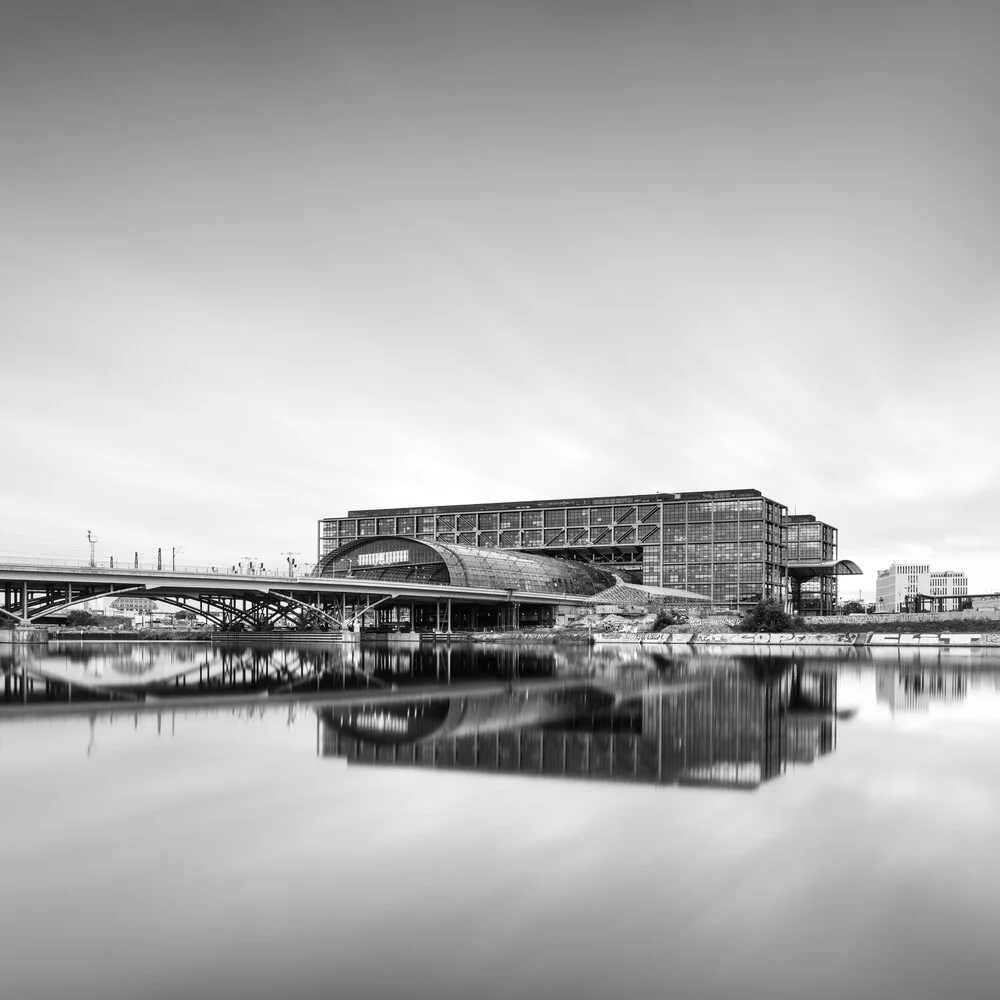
{"x": 832, "y": 567}
{"x": 402, "y": 558}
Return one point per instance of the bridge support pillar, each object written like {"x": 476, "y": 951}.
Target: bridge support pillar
{"x": 23, "y": 634}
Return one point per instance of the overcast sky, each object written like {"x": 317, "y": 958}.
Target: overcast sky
{"x": 264, "y": 262}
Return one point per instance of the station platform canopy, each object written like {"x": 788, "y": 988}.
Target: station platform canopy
{"x": 807, "y": 569}
{"x": 403, "y": 559}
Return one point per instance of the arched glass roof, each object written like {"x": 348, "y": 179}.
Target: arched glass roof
{"x": 401, "y": 559}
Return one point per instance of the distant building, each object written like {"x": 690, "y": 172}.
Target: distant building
{"x": 907, "y": 588}
{"x": 130, "y": 604}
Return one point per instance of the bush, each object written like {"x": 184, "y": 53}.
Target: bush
{"x": 663, "y": 620}
{"x": 767, "y": 616}
{"x": 79, "y": 618}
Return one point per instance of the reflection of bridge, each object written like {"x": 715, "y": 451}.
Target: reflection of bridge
{"x": 729, "y": 729}
{"x": 243, "y": 602}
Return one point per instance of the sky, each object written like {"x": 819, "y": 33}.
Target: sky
{"x": 263, "y": 263}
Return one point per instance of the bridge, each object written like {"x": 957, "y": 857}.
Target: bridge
{"x": 254, "y": 602}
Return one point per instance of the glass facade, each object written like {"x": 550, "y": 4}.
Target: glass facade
{"x": 728, "y": 545}
{"x": 812, "y": 541}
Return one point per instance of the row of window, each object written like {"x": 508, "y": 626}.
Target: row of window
{"x": 721, "y": 593}
{"x": 645, "y": 533}
{"x": 634, "y": 514}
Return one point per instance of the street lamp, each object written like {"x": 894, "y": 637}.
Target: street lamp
{"x": 173, "y": 558}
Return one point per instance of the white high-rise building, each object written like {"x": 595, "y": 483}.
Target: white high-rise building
{"x": 902, "y": 588}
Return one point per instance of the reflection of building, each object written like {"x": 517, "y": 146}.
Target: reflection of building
{"x": 725, "y": 729}
{"x": 906, "y": 587}
{"x": 914, "y": 690}
{"x": 727, "y": 545}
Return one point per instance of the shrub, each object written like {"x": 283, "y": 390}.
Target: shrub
{"x": 767, "y": 616}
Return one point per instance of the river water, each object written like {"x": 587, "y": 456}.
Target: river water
{"x": 282, "y": 821}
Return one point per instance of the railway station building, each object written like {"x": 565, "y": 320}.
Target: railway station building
{"x": 731, "y": 547}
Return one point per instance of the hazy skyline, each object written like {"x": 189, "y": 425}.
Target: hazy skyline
{"x": 266, "y": 262}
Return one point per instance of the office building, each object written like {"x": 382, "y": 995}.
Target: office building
{"x": 729, "y": 546}
{"x": 916, "y": 587}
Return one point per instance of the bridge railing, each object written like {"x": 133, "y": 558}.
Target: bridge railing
{"x": 126, "y": 569}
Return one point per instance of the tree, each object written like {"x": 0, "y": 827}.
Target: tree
{"x": 853, "y": 608}
{"x": 767, "y": 616}
{"x": 79, "y": 618}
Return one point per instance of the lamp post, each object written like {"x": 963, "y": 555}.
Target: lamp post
{"x": 173, "y": 558}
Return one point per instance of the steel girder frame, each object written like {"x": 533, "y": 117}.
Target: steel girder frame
{"x": 254, "y": 610}
{"x": 47, "y": 598}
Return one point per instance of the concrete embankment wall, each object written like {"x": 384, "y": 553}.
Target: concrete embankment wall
{"x": 881, "y": 639}
{"x": 965, "y": 618}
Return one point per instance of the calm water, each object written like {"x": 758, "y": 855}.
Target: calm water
{"x": 592, "y": 822}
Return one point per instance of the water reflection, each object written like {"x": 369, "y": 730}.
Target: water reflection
{"x": 915, "y": 690}
{"x": 733, "y": 727}
{"x": 693, "y": 717}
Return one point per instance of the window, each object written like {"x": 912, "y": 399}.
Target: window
{"x": 600, "y": 515}
{"x": 700, "y": 511}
